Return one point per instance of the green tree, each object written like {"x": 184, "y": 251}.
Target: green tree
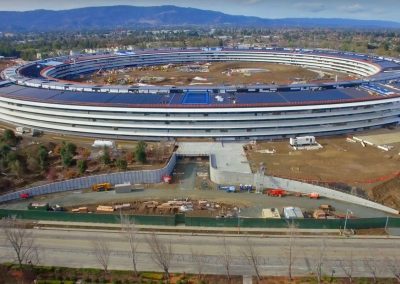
{"x": 16, "y": 167}
{"x": 140, "y": 152}
{"x": 81, "y": 166}
{"x": 5, "y": 149}
{"x": 121, "y": 164}
{"x": 43, "y": 157}
{"x": 9, "y": 137}
{"x": 67, "y": 152}
{"x": 105, "y": 158}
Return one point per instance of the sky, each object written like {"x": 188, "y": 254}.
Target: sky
{"x": 354, "y": 9}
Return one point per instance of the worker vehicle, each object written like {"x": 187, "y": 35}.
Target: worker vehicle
{"x": 106, "y": 186}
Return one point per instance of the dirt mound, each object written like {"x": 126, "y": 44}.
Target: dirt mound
{"x": 388, "y": 193}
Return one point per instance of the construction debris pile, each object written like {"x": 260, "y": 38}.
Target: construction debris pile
{"x": 170, "y": 207}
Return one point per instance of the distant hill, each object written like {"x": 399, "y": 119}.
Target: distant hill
{"x": 132, "y": 17}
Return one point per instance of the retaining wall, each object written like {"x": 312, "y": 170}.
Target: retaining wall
{"x": 225, "y": 177}
{"x": 146, "y": 176}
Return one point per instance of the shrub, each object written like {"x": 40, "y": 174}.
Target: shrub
{"x": 140, "y": 152}
{"x": 105, "y": 158}
{"x": 121, "y": 164}
{"x": 81, "y": 166}
{"x": 152, "y": 275}
{"x": 67, "y": 152}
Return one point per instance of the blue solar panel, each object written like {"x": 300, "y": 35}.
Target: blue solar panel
{"x": 189, "y": 98}
{"x": 197, "y": 98}
{"x": 304, "y": 96}
{"x": 253, "y": 98}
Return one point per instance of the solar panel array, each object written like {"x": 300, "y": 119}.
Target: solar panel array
{"x": 189, "y": 98}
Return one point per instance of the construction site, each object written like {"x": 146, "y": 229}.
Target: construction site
{"x": 367, "y": 164}
{"x": 215, "y": 73}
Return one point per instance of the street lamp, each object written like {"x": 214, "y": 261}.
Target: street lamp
{"x": 347, "y": 217}
{"x": 238, "y": 220}
{"x": 333, "y": 272}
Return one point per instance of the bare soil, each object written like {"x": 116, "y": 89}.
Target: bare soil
{"x": 5, "y": 64}
{"x": 217, "y": 74}
{"x": 388, "y": 193}
{"x": 337, "y": 161}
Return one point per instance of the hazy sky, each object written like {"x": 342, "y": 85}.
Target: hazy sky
{"x": 357, "y": 9}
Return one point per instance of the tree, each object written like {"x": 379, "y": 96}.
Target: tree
{"x": 130, "y": 232}
{"x": 33, "y": 164}
{"x": 22, "y": 242}
{"x": 81, "y": 166}
{"x": 17, "y": 167}
{"x": 102, "y": 253}
{"x": 347, "y": 265}
{"x": 5, "y": 150}
{"x": 199, "y": 260}
{"x": 43, "y": 157}
{"x": 393, "y": 264}
{"x": 161, "y": 253}
{"x": 226, "y": 258}
{"x": 67, "y": 152}
{"x": 121, "y": 164}
{"x": 320, "y": 261}
{"x": 9, "y": 137}
{"x": 252, "y": 258}
{"x": 105, "y": 158}
{"x": 140, "y": 152}
{"x": 372, "y": 266}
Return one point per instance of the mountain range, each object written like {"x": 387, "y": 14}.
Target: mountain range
{"x": 113, "y": 17}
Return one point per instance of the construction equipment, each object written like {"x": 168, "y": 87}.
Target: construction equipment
{"x": 24, "y": 195}
{"x": 38, "y": 206}
{"x": 314, "y": 195}
{"x": 326, "y": 207}
{"x": 106, "y": 186}
{"x": 293, "y": 213}
{"x": 276, "y": 192}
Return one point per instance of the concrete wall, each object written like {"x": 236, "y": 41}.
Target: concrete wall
{"x": 225, "y": 177}
{"x": 147, "y": 176}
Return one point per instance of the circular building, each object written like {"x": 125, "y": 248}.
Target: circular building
{"x": 43, "y": 95}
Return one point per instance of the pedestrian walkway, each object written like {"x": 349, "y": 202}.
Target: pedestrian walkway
{"x": 230, "y": 157}
{"x": 247, "y": 279}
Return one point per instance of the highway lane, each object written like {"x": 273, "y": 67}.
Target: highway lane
{"x": 73, "y": 248}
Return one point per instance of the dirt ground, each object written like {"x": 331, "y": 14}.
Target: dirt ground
{"x": 5, "y": 64}
{"x": 218, "y": 73}
{"x": 337, "y": 161}
{"x": 366, "y": 171}
{"x": 388, "y": 193}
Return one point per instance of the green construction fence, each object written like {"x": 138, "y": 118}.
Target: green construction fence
{"x": 181, "y": 219}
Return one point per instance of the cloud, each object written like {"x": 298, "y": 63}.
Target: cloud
{"x": 311, "y": 7}
{"x": 353, "y": 8}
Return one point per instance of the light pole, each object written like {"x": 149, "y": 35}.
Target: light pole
{"x": 333, "y": 272}
{"x": 347, "y": 217}
{"x": 238, "y": 220}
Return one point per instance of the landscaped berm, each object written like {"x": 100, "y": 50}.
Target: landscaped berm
{"x": 61, "y": 275}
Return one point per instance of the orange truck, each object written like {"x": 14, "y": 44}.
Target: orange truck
{"x": 275, "y": 192}
{"x": 106, "y": 186}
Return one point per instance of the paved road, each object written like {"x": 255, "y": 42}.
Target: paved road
{"x": 73, "y": 248}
